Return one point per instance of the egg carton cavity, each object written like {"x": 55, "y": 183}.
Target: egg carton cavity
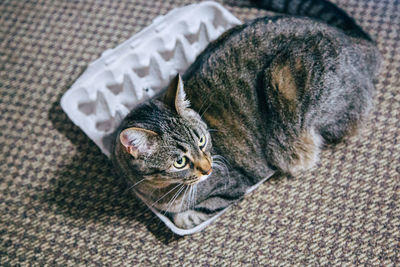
{"x": 140, "y": 67}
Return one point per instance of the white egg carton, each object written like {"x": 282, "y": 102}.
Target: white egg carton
{"x": 140, "y": 67}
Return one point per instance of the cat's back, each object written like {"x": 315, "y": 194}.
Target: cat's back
{"x": 266, "y": 37}
{"x": 234, "y": 63}
{"x": 225, "y": 76}
{"x": 231, "y": 84}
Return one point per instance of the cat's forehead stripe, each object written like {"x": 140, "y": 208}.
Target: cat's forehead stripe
{"x": 179, "y": 146}
{"x": 196, "y": 133}
{"x": 188, "y": 131}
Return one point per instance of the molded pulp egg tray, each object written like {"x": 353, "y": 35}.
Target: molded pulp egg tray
{"x": 140, "y": 67}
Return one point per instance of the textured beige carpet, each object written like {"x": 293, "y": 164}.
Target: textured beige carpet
{"x": 61, "y": 204}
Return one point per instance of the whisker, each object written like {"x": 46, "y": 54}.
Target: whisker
{"x": 152, "y": 192}
{"x": 165, "y": 195}
{"x": 202, "y": 105}
{"x": 192, "y": 201}
{"x": 135, "y": 184}
{"x": 183, "y": 199}
{"x": 189, "y": 204}
{"x": 189, "y": 199}
{"x": 220, "y": 166}
{"x": 174, "y": 198}
{"x": 205, "y": 110}
{"x": 221, "y": 158}
{"x": 195, "y": 194}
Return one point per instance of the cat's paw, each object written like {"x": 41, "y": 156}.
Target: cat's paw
{"x": 305, "y": 153}
{"x": 189, "y": 219}
{"x": 308, "y": 149}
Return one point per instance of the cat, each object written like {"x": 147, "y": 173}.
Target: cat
{"x": 265, "y": 96}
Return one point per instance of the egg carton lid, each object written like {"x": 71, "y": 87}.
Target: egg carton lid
{"x": 138, "y": 68}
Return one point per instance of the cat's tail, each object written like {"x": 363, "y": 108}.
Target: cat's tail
{"x": 321, "y": 10}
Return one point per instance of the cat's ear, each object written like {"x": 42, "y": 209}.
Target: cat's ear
{"x": 175, "y": 97}
{"x": 137, "y": 141}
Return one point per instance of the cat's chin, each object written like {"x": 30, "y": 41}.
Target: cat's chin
{"x": 204, "y": 177}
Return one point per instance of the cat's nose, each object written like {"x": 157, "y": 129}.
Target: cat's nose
{"x": 207, "y": 172}
{"x": 204, "y": 171}
{"x": 204, "y": 167}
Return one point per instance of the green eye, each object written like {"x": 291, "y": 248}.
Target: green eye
{"x": 180, "y": 163}
{"x": 202, "y": 141}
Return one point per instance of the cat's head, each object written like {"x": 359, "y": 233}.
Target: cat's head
{"x": 166, "y": 142}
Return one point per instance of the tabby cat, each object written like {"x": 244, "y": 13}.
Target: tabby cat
{"x": 266, "y": 96}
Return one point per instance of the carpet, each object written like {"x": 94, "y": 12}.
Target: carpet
{"x": 61, "y": 204}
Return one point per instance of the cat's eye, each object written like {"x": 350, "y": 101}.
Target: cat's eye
{"x": 202, "y": 141}
{"x": 180, "y": 163}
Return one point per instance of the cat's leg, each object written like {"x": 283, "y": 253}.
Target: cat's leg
{"x": 292, "y": 146}
{"x": 305, "y": 152}
{"x": 353, "y": 104}
{"x": 348, "y": 117}
{"x": 295, "y": 154}
{"x": 334, "y": 133}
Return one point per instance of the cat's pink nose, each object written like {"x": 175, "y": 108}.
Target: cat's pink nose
{"x": 205, "y": 172}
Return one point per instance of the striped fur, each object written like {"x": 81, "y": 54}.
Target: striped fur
{"x": 270, "y": 92}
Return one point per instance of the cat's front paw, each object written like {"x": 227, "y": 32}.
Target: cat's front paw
{"x": 189, "y": 219}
